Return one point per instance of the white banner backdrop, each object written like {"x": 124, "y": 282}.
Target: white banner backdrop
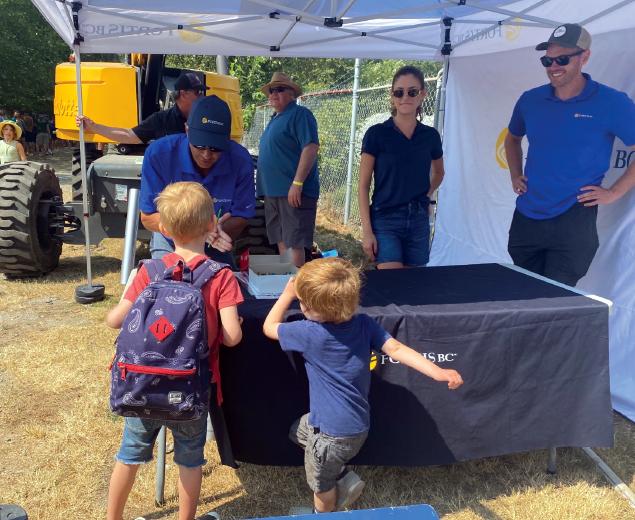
{"x": 476, "y": 201}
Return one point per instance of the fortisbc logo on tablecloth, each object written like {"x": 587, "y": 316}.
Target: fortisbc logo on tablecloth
{"x": 435, "y": 357}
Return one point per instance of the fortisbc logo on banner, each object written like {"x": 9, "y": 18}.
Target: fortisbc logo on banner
{"x": 189, "y": 36}
{"x": 501, "y": 157}
{"x": 512, "y": 31}
{"x": 507, "y": 32}
{"x": 435, "y": 357}
{"x": 119, "y": 29}
{"x": 623, "y": 158}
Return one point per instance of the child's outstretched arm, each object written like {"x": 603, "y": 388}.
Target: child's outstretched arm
{"x": 409, "y": 357}
{"x": 230, "y": 324}
{"x": 276, "y": 314}
{"x": 118, "y": 313}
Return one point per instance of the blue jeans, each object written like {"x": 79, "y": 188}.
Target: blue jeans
{"x": 161, "y": 246}
{"x": 139, "y": 436}
{"x": 402, "y": 233}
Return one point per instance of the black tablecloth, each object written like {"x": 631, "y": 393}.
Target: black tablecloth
{"x": 534, "y": 358}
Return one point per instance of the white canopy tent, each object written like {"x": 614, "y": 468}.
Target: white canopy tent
{"x": 489, "y": 45}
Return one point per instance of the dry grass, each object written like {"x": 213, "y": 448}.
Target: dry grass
{"x": 58, "y": 438}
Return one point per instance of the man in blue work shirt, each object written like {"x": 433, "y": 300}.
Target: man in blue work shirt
{"x": 287, "y": 169}
{"x": 570, "y": 124}
{"x": 205, "y": 154}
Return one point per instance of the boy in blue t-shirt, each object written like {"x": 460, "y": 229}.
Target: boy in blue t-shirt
{"x": 336, "y": 343}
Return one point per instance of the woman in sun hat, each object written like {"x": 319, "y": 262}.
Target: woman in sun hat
{"x": 10, "y": 148}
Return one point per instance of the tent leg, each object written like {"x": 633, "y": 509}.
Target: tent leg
{"x": 351, "y": 143}
{"x": 88, "y": 293}
{"x": 159, "y": 483}
{"x": 132, "y": 224}
{"x": 552, "y": 468}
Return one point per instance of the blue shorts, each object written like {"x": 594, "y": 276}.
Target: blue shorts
{"x": 139, "y": 436}
{"x": 402, "y": 233}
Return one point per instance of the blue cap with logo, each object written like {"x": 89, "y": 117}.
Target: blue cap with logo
{"x": 209, "y": 123}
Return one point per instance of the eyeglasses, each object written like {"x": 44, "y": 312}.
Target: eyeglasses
{"x": 276, "y": 90}
{"x": 560, "y": 60}
{"x": 412, "y": 92}
{"x": 207, "y": 149}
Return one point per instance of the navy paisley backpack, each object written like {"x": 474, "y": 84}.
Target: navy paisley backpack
{"x": 161, "y": 366}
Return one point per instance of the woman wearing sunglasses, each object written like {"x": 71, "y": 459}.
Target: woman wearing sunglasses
{"x": 398, "y": 155}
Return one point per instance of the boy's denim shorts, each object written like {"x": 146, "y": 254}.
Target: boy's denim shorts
{"x": 402, "y": 233}
{"x": 139, "y": 436}
{"x": 324, "y": 455}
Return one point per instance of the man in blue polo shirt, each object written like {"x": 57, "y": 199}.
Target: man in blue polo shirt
{"x": 570, "y": 124}
{"x": 287, "y": 169}
{"x": 203, "y": 154}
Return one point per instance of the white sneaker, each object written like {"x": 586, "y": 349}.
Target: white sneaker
{"x": 349, "y": 489}
{"x": 210, "y": 515}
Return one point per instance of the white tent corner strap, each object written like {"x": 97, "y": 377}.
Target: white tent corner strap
{"x": 416, "y": 29}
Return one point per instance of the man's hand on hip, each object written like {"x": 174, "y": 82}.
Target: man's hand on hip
{"x": 594, "y": 195}
{"x": 519, "y": 184}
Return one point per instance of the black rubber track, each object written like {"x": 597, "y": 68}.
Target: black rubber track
{"x": 76, "y": 170}
{"x": 26, "y": 247}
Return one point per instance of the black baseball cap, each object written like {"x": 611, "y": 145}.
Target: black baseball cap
{"x": 568, "y": 35}
{"x": 210, "y": 123}
{"x": 190, "y": 81}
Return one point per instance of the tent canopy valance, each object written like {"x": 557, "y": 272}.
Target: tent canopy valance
{"x": 408, "y": 29}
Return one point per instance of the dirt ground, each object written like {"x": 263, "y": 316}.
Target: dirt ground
{"x": 57, "y": 437}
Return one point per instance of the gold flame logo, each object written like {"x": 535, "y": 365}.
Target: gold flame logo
{"x": 373, "y": 360}
{"x": 501, "y": 158}
{"x": 512, "y": 31}
{"x": 189, "y": 36}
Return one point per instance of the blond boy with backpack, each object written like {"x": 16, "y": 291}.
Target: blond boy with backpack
{"x": 173, "y": 318}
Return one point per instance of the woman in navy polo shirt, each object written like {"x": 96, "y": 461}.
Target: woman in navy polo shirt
{"x": 398, "y": 154}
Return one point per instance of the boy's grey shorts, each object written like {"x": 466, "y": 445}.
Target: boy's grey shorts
{"x": 324, "y": 455}
{"x": 292, "y": 226}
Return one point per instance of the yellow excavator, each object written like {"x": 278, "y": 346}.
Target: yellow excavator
{"x": 34, "y": 220}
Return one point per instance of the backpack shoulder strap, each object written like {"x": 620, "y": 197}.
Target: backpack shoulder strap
{"x": 155, "y": 268}
{"x": 205, "y": 271}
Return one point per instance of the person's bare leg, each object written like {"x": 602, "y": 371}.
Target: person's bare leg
{"x": 325, "y": 502}
{"x": 121, "y": 482}
{"x": 189, "y": 491}
{"x": 297, "y": 255}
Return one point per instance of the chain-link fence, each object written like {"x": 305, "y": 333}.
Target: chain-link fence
{"x": 333, "y": 110}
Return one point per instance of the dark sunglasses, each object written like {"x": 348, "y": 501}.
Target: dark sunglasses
{"x": 207, "y": 148}
{"x": 412, "y": 92}
{"x": 560, "y": 60}
{"x": 277, "y": 90}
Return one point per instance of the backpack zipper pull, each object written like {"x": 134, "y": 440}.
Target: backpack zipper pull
{"x": 123, "y": 372}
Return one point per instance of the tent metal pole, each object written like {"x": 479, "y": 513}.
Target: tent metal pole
{"x": 446, "y": 51}
{"x": 88, "y": 293}
{"x": 82, "y": 155}
{"x": 221, "y": 64}
{"x": 351, "y": 143}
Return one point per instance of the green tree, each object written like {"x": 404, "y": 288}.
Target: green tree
{"x": 30, "y": 50}
{"x": 380, "y": 72}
